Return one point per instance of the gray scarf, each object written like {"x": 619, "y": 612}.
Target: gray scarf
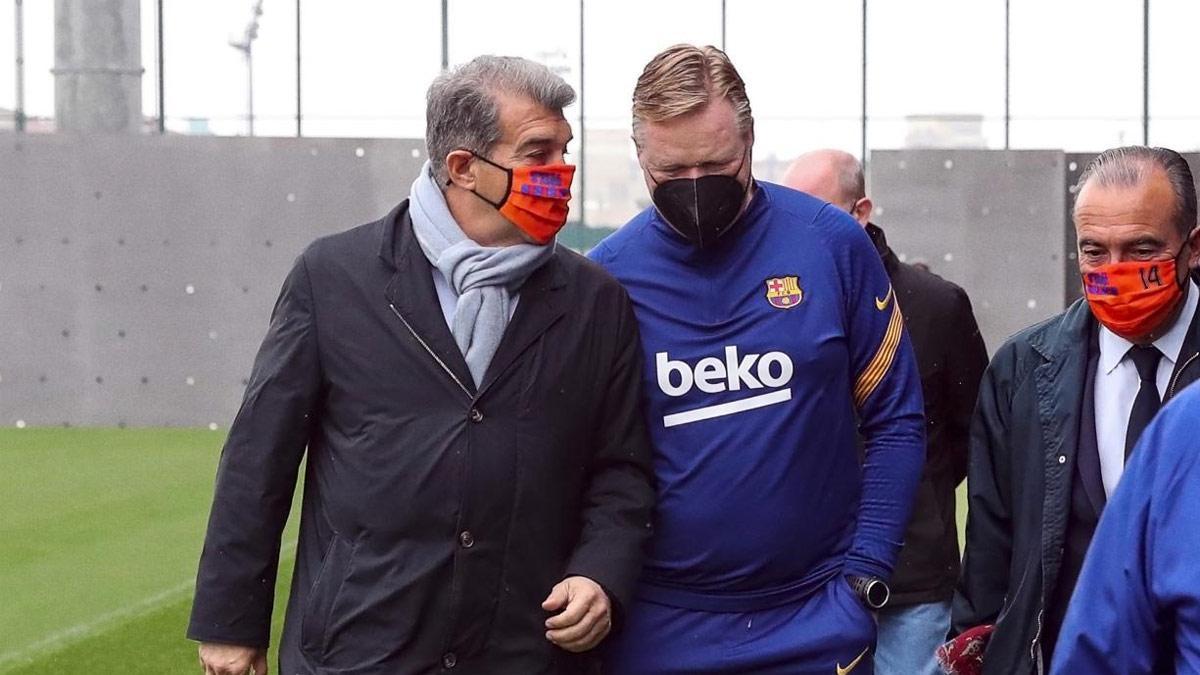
{"x": 484, "y": 278}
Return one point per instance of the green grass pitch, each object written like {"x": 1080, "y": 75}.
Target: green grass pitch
{"x": 100, "y": 533}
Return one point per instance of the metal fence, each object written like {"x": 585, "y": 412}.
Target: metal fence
{"x": 858, "y": 75}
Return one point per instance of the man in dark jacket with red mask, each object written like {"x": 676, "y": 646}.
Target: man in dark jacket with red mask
{"x": 1063, "y": 403}
{"x": 467, "y": 395}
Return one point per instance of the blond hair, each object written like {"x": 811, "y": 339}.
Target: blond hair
{"x": 685, "y": 78}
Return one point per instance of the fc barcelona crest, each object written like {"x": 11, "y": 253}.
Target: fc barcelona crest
{"x": 784, "y": 292}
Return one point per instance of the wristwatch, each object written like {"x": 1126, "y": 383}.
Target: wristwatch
{"x": 873, "y": 591}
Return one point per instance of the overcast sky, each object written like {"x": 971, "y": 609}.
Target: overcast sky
{"x": 1076, "y": 65}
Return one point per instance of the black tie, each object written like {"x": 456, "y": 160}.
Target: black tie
{"x": 1147, "y": 403}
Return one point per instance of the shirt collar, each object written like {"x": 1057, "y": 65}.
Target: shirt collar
{"x": 1113, "y": 347}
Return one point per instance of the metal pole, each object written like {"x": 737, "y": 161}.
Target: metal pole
{"x": 246, "y": 47}
{"x": 1145, "y": 72}
{"x": 1007, "y": 80}
{"x": 299, "y": 128}
{"x": 445, "y": 35}
{"x": 19, "y": 113}
{"x": 582, "y": 129}
{"x": 722, "y": 25}
{"x": 250, "y": 84}
{"x": 864, "y": 82}
{"x": 162, "y": 100}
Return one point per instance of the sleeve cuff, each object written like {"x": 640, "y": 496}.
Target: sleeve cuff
{"x": 859, "y": 567}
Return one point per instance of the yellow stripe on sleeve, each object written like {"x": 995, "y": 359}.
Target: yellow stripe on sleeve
{"x": 879, "y": 366}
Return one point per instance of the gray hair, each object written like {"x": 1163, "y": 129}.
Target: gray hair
{"x": 1129, "y": 166}
{"x": 852, "y": 181}
{"x": 461, "y": 109}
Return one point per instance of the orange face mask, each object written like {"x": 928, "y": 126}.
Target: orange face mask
{"x": 536, "y": 200}
{"x": 1133, "y": 299}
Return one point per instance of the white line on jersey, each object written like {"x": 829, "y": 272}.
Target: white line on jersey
{"x": 731, "y": 408}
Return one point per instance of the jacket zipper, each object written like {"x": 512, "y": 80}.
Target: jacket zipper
{"x": 1175, "y": 380}
{"x": 432, "y": 353}
{"x": 1035, "y": 654}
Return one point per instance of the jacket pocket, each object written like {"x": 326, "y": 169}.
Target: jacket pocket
{"x": 1014, "y": 647}
{"x": 318, "y": 608}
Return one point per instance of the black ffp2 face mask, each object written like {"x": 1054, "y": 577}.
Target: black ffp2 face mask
{"x": 701, "y": 209}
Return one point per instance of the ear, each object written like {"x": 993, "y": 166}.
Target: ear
{"x": 459, "y": 168}
{"x": 862, "y": 212}
{"x": 1193, "y": 240}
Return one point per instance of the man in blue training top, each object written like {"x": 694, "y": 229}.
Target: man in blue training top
{"x": 1137, "y": 606}
{"x": 773, "y": 341}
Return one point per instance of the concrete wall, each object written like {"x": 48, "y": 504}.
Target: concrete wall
{"x": 991, "y": 222}
{"x": 137, "y": 274}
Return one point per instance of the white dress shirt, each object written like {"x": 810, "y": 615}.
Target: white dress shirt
{"x": 1117, "y": 386}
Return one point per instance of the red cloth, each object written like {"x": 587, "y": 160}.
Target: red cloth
{"x": 964, "y": 654}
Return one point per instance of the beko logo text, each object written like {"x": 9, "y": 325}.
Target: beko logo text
{"x": 713, "y": 375}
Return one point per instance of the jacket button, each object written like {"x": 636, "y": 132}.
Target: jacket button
{"x": 466, "y": 539}
{"x": 449, "y": 660}
{"x": 1062, "y": 459}
{"x": 476, "y": 416}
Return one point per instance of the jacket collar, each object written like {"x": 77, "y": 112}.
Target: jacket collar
{"x": 1062, "y": 336}
{"x": 890, "y": 261}
{"x": 1189, "y": 358}
{"x": 411, "y": 292}
{"x": 390, "y": 243}
{"x": 1087, "y": 455}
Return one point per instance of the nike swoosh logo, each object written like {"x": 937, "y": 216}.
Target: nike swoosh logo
{"x": 882, "y": 304}
{"x": 853, "y": 664}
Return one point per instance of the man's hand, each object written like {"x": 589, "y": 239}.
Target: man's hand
{"x": 584, "y": 614}
{"x": 219, "y": 659}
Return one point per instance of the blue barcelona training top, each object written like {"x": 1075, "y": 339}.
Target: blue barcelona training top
{"x": 768, "y": 355}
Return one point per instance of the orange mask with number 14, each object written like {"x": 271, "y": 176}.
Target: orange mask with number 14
{"x": 1133, "y": 299}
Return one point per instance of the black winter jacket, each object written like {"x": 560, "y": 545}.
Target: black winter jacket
{"x": 436, "y": 518}
{"x": 951, "y": 357}
{"x": 1024, "y": 438}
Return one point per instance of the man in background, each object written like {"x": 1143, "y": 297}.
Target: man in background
{"x": 951, "y": 358}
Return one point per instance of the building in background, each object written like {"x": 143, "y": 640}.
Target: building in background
{"x": 945, "y": 131}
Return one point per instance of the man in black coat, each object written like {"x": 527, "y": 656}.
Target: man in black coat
{"x": 478, "y": 489}
{"x": 1063, "y": 403}
{"x": 951, "y": 357}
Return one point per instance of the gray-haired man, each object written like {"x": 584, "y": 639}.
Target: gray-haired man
{"x": 1063, "y": 403}
{"x": 478, "y": 487}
